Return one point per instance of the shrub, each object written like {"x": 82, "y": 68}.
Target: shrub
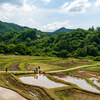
{"x": 97, "y": 58}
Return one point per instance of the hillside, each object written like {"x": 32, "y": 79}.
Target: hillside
{"x": 79, "y": 43}
{"x": 7, "y": 27}
{"x": 61, "y": 30}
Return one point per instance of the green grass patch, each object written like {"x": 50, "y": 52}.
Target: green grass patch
{"x": 22, "y": 66}
{"x": 90, "y": 82}
{"x": 56, "y": 69}
{"x": 10, "y": 63}
{"x": 69, "y": 72}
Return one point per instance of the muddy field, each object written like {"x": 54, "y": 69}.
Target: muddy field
{"x": 74, "y": 63}
{"x": 14, "y": 66}
{"x": 23, "y": 64}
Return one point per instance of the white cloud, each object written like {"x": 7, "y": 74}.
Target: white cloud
{"x": 36, "y": 16}
{"x": 56, "y": 25}
{"x": 65, "y": 5}
{"x": 97, "y": 3}
{"x": 46, "y": 1}
{"x": 77, "y": 6}
{"x": 26, "y": 15}
{"x": 22, "y": 15}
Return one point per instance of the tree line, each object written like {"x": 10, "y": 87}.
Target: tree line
{"x": 78, "y": 43}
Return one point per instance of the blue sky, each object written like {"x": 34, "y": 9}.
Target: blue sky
{"x": 49, "y": 15}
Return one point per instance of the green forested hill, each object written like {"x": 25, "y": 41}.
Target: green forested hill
{"x": 61, "y": 30}
{"x": 78, "y": 43}
{"x": 7, "y": 27}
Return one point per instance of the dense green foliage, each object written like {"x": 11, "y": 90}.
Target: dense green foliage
{"x": 78, "y": 43}
{"x": 7, "y": 27}
{"x": 61, "y": 30}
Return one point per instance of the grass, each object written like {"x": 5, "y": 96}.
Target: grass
{"x": 90, "y": 82}
{"x": 22, "y": 66}
{"x": 62, "y": 96}
{"x": 10, "y": 81}
{"x": 70, "y": 72}
{"x": 95, "y": 68}
{"x": 73, "y": 85}
{"x": 83, "y": 77}
{"x": 8, "y": 64}
{"x": 45, "y": 67}
{"x": 55, "y": 69}
{"x": 46, "y": 63}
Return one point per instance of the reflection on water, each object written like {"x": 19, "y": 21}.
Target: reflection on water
{"x": 40, "y": 80}
{"x": 95, "y": 81}
{"x": 79, "y": 82}
{"x": 6, "y": 94}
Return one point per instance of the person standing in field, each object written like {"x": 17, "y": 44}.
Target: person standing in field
{"x": 39, "y": 67}
{"x": 37, "y": 70}
{"x": 6, "y": 69}
{"x": 15, "y": 72}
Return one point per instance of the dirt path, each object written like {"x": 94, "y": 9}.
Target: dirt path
{"x": 69, "y": 69}
{"x": 51, "y": 71}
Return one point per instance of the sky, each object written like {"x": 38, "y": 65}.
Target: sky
{"x": 50, "y": 15}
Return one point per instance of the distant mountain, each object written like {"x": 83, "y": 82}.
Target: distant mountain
{"x": 7, "y": 27}
{"x": 61, "y": 30}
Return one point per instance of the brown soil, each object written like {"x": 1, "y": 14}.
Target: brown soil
{"x": 14, "y": 66}
{"x": 80, "y": 95}
{"x": 29, "y": 68}
{"x": 40, "y": 93}
{"x": 2, "y": 66}
{"x": 86, "y": 74}
{"x": 81, "y": 73}
{"x": 60, "y": 74}
{"x": 77, "y": 94}
{"x": 73, "y": 63}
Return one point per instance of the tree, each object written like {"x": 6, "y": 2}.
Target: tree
{"x": 91, "y": 29}
{"x": 63, "y": 53}
{"x": 98, "y": 29}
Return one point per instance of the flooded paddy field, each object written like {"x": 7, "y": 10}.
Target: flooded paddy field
{"x": 39, "y": 86}
{"x": 82, "y": 83}
{"x": 6, "y": 94}
{"x": 40, "y": 80}
{"x": 27, "y": 91}
{"x": 93, "y": 76}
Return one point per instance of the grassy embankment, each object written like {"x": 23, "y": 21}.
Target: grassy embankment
{"x": 25, "y": 63}
{"x": 30, "y": 92}
{"x": 72, "y": 92}
{"x": 28, "y": 63}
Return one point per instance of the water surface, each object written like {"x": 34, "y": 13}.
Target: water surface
{"x": 40, "y": 80}
{"x": 79, "y": 82}
{"x": 95, "y": 81}
{"x": 6, "y": 94}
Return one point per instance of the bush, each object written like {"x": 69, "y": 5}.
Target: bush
{"x": 97, "y": 58}
{"x": 16, "y": 53}
{"x": 87, "y": 58}
{"x": 2, "y": 51}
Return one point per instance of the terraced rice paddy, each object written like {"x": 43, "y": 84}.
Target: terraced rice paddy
{"x": 40, "y": 80}
{"x": 24, "y": 67}
{"x": 79, "y": 82}
{"x": 6, "y": 94}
